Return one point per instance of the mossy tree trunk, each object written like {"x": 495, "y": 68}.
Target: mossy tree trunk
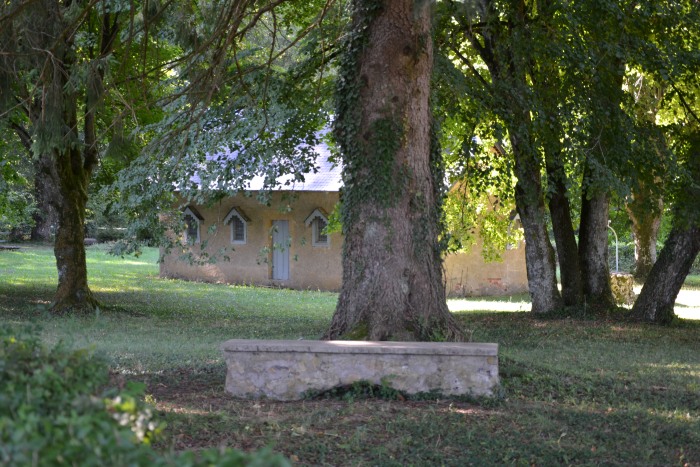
{"x": 44, "y": 217}
{"x": 72, "y": 179}
{"x": 69, "y": 172}
{"x": 645, "y": 213}
{"x": 393, "y": 285}
{"x": 71, "y": 155}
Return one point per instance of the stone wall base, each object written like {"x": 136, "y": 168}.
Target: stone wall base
{"x": 287, "y": 370}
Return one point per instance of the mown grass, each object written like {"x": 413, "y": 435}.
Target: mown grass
{"x": 574, "y": 391}
{"x": 147, "y": 323}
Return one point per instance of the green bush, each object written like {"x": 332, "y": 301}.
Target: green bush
{"x": 55, "y": 410}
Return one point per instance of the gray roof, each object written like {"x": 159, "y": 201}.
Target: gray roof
{"x": 324, "y": 176}
{"x": 327, "y": 177}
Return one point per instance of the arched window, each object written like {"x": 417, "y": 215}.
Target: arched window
{"x": 192, "y": 220}
{"x": 239, "y": 225}
{"x": 318, "y": 220}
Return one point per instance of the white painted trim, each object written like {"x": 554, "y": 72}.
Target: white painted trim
{"x": 198, "y": 219}
{"x": 240, "y": 215}
{"x": 320, "y": 214}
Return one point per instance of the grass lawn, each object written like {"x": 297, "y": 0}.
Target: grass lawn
{"x": 575, "y": 391}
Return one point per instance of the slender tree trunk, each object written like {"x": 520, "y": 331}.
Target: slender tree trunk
{"x": 564, "y": 236}
{"x": 645, "y": 214}
{"x": 608, "y": 135}
{"x": 658, "y": 296}
{"x": 547, "y": 86}
{"x": 392, "y": 271}
{"x": 512, "y": 101}
{"x": 593, "y": 251}
{"x": 539, "y": 254}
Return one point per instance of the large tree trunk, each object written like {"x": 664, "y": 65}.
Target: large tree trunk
{"x": 392, "y": 271}
{"x": 593, "y": 251}
{"x": 658, "y": 296}
{"x": 73, "y": 160}
{"x": 73, "y": 293}
{"x": 645, "y": 213}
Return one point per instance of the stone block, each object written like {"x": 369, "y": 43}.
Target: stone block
{"x": 622, "y": 286}
{"x": 286, "y": 370}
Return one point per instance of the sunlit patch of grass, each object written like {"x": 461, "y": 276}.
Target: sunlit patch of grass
{"x": 688, "y": 304}
{"x": 150, "y": 322}
{"x": 515, "y": 303}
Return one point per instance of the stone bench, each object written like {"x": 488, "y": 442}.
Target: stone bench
{"x": 286, "y": 370}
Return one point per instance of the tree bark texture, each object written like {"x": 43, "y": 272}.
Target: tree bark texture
{"x": 593, "y": 251}
{"x": 564, "y": 235}
{"x": 71, "y": 178}
{"x": 547, "y": 86}
{"x": 510, "y": 92}
{"x": 608, "y": 135}
{"x": 72, "y": 161}
{"x": 658, "y": 296}
{"x": 392, "y": 271}
{"x": 45, "y": 219}
{"x": 539, "y": 254}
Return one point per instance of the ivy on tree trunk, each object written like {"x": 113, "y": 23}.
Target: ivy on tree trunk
{"x": 392, "y": 271}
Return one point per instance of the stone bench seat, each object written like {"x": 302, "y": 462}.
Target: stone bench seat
{"x": 287, "y": 370}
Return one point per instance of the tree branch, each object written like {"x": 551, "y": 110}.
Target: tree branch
{"x": 23, "y": 135}
{"x": 684, "y": 103}
{"x": 469, "y": 64}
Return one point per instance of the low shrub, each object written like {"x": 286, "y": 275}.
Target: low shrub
{"x": 56, "y": 410}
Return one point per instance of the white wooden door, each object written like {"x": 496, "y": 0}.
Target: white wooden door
{"x": 280, "y": 250}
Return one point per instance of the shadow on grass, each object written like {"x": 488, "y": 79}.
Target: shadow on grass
{"x": 528, "y": 426}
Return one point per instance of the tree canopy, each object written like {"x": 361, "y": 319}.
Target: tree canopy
{"x": 552, "y": 110}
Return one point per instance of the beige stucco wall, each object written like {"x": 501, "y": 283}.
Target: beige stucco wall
{"x": 320, "y": 267}
{"x": 467, "y": 274}
{"x": 310, "y": 267}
